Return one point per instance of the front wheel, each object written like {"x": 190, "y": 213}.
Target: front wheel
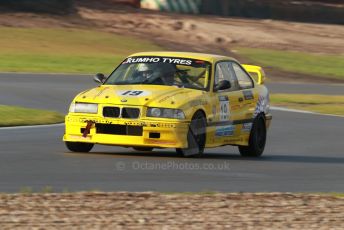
{"x": 196, "y": 137}
{"x": 257, "y": 139}
{"x": 79, "y": 146}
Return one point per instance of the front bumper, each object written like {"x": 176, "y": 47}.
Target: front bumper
{"x": 126, "y": 132}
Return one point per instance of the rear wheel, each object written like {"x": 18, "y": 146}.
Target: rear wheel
{"x": 196, "y": 137}
{"x": 79, "y": 146}
{"x": 143, "y": 149}
{"x": 257, "y": 139}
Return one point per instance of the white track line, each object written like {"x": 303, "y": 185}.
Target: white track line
{"x": 301, "y": 111}
{"x": 306, "y": 83}
{"x": 32, "y": 126}
{"x": 289, "y": 110}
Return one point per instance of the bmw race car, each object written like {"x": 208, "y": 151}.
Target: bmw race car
{"x": 186, "y": 101}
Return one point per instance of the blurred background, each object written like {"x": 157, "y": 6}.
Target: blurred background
{"x": 294, "y": 41}
{"x": 104, "y": 31}
{"x": 331, "y": 11}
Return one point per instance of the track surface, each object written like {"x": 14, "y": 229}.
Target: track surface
{"x": 305, "y": 152}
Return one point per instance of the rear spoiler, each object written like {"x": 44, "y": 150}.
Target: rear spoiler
{"x": 256, "y": 72}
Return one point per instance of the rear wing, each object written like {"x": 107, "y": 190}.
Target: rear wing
{"x": 256, "y": 72}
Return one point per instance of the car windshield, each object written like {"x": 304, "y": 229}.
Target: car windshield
{"x": 181, "y": 72}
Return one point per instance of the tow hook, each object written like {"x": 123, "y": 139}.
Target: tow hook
{"x": 88, "y": 128}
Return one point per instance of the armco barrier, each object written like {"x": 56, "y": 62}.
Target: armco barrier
{"x": 180, "y": 6}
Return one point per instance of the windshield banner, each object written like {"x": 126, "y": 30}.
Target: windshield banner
{"x": 169, "y": 60}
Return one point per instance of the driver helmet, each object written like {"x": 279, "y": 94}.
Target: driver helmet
{"x": 144, "y": 70}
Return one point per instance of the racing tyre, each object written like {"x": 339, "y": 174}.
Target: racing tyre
{"x": 196, "y": 137}
{"x": 79, "y": 146}
{"x": 143, "y": 149}
{"x": 257, "y": 139}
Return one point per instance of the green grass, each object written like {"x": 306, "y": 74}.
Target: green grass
{"x": 326, "y": 104}
{"x": 26, "y": 190}
{"x": 336, "y": 194}
{"x": 65, "y": 50}
{"x": 13, "y": 116}
{"x": 47, "y": 189}
{"x": 328, "y": 66}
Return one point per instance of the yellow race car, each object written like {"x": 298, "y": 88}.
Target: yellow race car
{"x": 186, "y": 101}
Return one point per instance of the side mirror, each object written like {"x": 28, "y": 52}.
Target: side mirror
{"x": 100, "y": 78}
{"x": 222, "y": 85}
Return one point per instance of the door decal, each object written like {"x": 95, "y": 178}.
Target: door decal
{"x": 248, "y": 94}
{"x": 246, "y": 127}
{"x": 263, "y": 104}
{"x": 224, "y": 108}
{"x": 225, "y": 131}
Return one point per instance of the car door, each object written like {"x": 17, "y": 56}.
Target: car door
{"x": 227, "y": 105}
{"x": 248, "y": 93}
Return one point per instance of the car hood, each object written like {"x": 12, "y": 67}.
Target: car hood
{"x": 140, "y": 95}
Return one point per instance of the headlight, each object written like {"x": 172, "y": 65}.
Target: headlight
{"x": 83, "y": 108}
{"x": 165, "y": 113}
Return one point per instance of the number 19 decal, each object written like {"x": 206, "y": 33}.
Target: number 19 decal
{"x": 133, "y": 93}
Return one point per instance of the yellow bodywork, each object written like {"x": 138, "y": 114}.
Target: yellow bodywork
{"x": 172, "y": 132}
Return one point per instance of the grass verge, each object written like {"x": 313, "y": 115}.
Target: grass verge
{"x": 326, "y": 104}
{"x": 15, "y": 116}
{"x": 327, "y": 66}
{"x": 65, "y": 50}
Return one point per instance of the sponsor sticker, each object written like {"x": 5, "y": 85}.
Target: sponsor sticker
{"x": 235, "y": 107}
{"x": 170, "y": 60}
{"x": 77, "y": 137}
{"x": 171, "y": 96}
{"x": 150, "y": 141}
{"x": 117, "y": 121}
{"x": 246, "y": 127}
{"x": 214, "y": 111}
{"x": 223, "y": 98}
{"x": 263, "y": 105}
{"x": 225, "y": 131}
{"x": 248, "y": 94}
{"x": 233, "y": 140}
{"x": 198, "y": 102}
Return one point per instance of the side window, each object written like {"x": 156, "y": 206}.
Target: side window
{"x": 244, "y": 80}
{"x": 223, "y": 71}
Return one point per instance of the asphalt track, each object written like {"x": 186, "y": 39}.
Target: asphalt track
{"x": 304, "y": 153}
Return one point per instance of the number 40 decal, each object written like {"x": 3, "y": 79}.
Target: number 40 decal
{"x": 224, "y": 110}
